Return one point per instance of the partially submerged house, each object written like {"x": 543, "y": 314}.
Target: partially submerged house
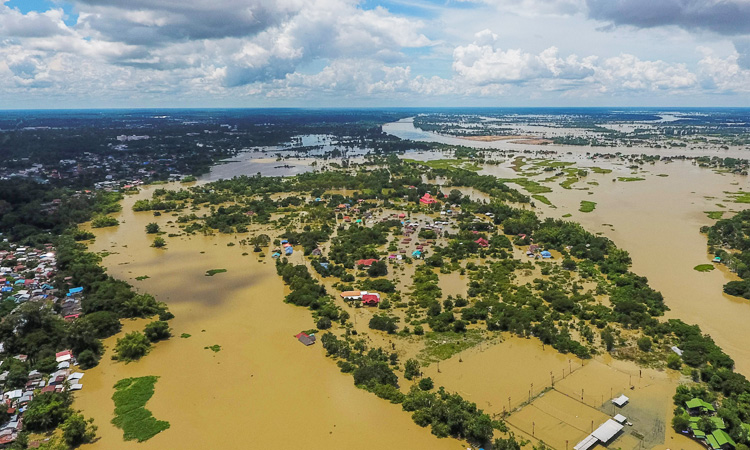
{"x": 427, "y": 199}
{"x": 305, "y": 338}
{"x": 370, "y": 299}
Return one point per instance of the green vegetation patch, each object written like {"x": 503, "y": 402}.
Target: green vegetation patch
{"x": 130, "y": 397}
{"x": 739, "y": 197}
{"x": 441, "y": 346}
{"x": 212, "y": 272}
{"x": 704, "y": 267}
{"x": 600, "y": 170}
{"x": 567, "y": 215}
{"x": 587, "y": 206}
{"x": 568, "y": 182}
{"x": 185, "y": 335}
{"x": 663, "y": 175}
{"x": 216, "y": 348}
{"x": 142, "y": 277}
{"x": 446, "y": 164}
{"x": 628, "y": 179}
{"x": 104, "y": 221}
{"x": 715, "y": 215}
{"x": 530, "y": 186}
{"x": 542, "y": 199}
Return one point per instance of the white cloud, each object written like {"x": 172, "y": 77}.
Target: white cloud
{"x": 483, "y": 62}
{"x": 724, "y": 75}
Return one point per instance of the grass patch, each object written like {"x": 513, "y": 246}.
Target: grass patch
{"x": 704, "y": 267}
{"x": 216, "y": 348}
{"x": 212, "y": 272}
{"x": 663, "y": 175}
{"x": 541, "y": 199}
{"x": 628, "y": 179}
{"x": 530, "y": 186}
{"x": 441, "y": 346}
{"x": 446, "y": 164}
{"x": 565, "y": 216}
{"x": 715, "y": 215}
{"x": 142, "y": 277}
{"x": 587, "y": 206}
{"x": 600, "y": 170}
{"x": 568, "y": 182}
{"x": 185, "y": 335}
{"x": 551, "y": 163}
{"x": 130, "y": 397}
{"x": 739, "y": 197}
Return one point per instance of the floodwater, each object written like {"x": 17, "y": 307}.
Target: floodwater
{"x": 263, "y": 389}
{"x": 405, "y": 129}
{"x": 263, "y": 382}
{"x": 658, "y": 222}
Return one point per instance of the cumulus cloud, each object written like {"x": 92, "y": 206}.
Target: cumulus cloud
{"x": 483, "y": 62}
{"x": 153, "y": 23}
{"x": 724, "y": 75}
{"x": 14, "y": 24}
{"x": 729, "y": 17}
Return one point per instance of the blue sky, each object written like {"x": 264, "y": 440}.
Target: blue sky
{"x": 279, "y": 53}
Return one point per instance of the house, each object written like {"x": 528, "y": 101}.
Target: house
{"x": 351, "y": 295}
{"x": 64, "y": 355}
{"x": 305, "y": 338}
{"x": 370, "y": 299}
{"x": 347, "y": 219}
{"x": 698, "y": 406}
{"x": 427, "y": 199}
{"x": 482, "y": 242}
{"x": 316, "y": 252}
{"x": 366, "y": 262}
{"x": 546, "y": 254}
{"x": 416, "y": 254}
{"x": 288, "y": 250}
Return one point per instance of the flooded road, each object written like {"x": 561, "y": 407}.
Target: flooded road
{"x": 263, "y": 389}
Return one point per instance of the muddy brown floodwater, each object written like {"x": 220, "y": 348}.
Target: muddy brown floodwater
{"x": 658, "y": 222}
{"x": 263, "y": 389}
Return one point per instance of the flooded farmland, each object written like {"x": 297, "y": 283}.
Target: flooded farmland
{"x": 657, "y": 220}
{"x": 261, "y": 383}
{"x": 262, "y": 379}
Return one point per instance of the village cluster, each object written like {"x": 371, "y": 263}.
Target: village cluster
{"x": 25, "y": 276}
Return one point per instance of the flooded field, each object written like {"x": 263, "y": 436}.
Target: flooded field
{"x": 657, "y": 220}
{"x": 261, "y": 383}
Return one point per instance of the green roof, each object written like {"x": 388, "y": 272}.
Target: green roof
{"x": 694, "y": 419}
{"x": 699, "y": 403}
{"x": 722, "y": 438}
{"x": 712, "y": 442}
{"x": 698, "y": 433}
{"x": 718, "y": 421}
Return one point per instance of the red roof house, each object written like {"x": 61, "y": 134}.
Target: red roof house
{"x": 366, "y": 262}
{"x": 370, "y": 299}
{"x": 482, "y": 242}
{"x": 427, "y": 199}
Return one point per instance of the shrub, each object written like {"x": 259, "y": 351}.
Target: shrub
{"x": 156, "y": 331}
{"x": 426, "y": 384}
{"x": 132, "y": 346}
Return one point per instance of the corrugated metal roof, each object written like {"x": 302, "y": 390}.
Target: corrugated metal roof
{"x": 607, "y": 431}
